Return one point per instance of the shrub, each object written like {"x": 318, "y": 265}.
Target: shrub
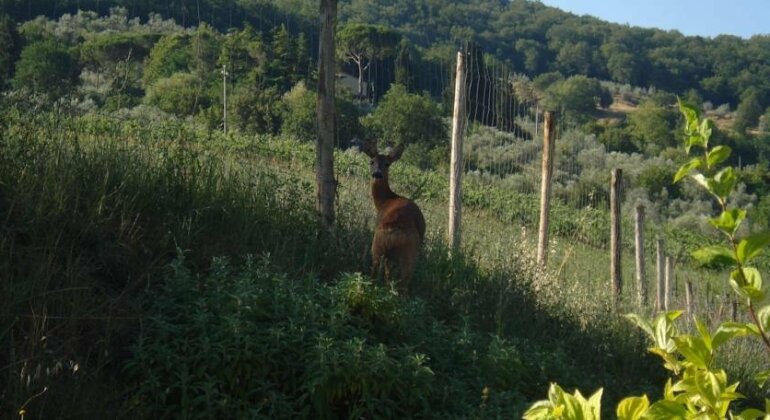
{"x": 403, "y": 117}
{"x": 299, "y": 114}
{"x": 181, "y": 94}
{"x": 46, "y": 67}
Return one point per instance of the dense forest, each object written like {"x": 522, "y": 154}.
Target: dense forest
{"x": 531, "y": 37}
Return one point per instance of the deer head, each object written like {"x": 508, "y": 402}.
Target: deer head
{"x": 380, "y": 164}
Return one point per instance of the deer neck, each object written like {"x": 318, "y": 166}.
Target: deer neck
{"x": 381, "y": 192}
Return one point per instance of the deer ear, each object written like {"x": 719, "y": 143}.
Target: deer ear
{"x": 395, "y": 154}
{"x": 369, "y": 147}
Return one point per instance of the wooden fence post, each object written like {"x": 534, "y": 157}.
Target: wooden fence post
{"x": 669, "y": 280}
{"x": 326, "y": 115}
{"x": 660, "y": 267}
{"x": 456, "y": 168}
{"x": 641, "y": 284}
{"x": 549, "y": 136}
{"x": 689, "y": 298}
{"x": 615, "y": 244}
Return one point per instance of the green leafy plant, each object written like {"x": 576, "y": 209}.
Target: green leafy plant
{"x": 696, "y": 388}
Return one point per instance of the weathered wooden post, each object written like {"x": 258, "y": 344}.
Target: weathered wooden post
{"x": 689, "y": 298}
{"x": 456, "y": 163}
{"x": 660, "y": 268}
{"x": 669, "y": 281}
{"x": 326, "y": 116}
{"x": 549, "y": 136}
{"x": 641, "y": 284}
{"x": 224, "y": 98}
{"x": 616, "y": 177}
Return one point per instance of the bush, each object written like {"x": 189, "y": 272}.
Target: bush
{"x": 403, "y": 117}
{"x": 46, "y": 67}
{"x": 579, "y": 96}
{"x": 181, "y": 94}
{"x": 256, "y": 343}
{"x": 299, "y": 114}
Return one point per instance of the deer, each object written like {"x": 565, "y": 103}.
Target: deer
{"x": 400, "y": 228}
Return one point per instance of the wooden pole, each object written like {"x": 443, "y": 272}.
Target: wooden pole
{"x": 660, "y": 268}
{"x": 224, "y": 98}
{"x": 456, "y": 169}
{"x": 689, "y": 302}
{"x": 669, "y": 279}
{"x": 326, "y": 185}
{"x": 615, "y": 244}
{"x": 549, "y": 136}
{"x": 641, "y": 283}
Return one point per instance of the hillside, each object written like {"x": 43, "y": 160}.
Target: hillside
{"x": 159, "y": 248}
{"x": 173, "y": 289}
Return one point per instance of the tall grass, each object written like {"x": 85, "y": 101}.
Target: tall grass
{"x": 92, "y": 212}
{"x": 120, "y": 302}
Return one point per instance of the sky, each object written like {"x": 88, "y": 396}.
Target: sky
{"x": 708, "y": 18}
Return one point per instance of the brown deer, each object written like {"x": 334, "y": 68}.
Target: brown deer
{"x": 400, "y": 228}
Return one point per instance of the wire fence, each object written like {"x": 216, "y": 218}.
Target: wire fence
{"x": 502, "y": 161}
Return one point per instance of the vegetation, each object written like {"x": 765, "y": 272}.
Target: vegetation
{"x": 697, "y": 387}
{"x": 155, "y": 266}
{"x": 115, "y": 290}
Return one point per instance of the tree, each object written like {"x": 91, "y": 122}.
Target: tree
{"x": 575, "y": 58}
{"x": 282, "y": 60}
{"x": 178, "y": 94}
{"x": 46, "y": 67}
{"x": 11, "y": 42}
{"x": 244, "y": 53}
{"x": 653, "y": 126}
{"x": 764, "y": 121}
{"x": 408, "y": 65}
{"x": 748, "y": 111}
{"x": 299, "y": 119}
{"x": 403, "y": 117}
{"x": 204, "y": 50}
{"x": 578, "y": 95}
{"x": 532, "y": 53}
{"x": 171, "y": 54}
{"x": 362, "y": 43}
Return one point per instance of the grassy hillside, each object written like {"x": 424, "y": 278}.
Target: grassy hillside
{"x": 154, "y": 270}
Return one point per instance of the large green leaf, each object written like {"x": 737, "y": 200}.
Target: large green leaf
{"x": 688, "y": 167}
{"x": 763, "y": 315}
{"x": 717, "y": 155}
{"x": 730, "y": 330}
{"x": 714, "y": 256}
{"x": 752, "y": 246}
{"x": 729, "y": 220}
{"x": 706, "y": 128}
{"x": 641, "y": 323}
{"x": 723, "y": 183}
{"x": 750, "y": 414}
{"x": 747, "y": 282}
{"x": 694, "y": 350}
{"x": 667, "y": 410}
{"x": 632, "y": 408}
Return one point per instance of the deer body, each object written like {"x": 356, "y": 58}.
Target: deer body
{"x": 400, "y": 228}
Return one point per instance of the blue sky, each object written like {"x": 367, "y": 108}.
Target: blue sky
{"x": 710, "y": 18}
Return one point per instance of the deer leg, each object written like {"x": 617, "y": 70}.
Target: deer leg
{"x": 407, "y": 263}
{"x": 377, "y": 260}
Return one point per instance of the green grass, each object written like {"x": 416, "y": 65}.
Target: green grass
{"x": 161, "y": 271}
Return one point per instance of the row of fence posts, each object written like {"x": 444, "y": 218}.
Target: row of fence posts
{"x": 664, "y": 264}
